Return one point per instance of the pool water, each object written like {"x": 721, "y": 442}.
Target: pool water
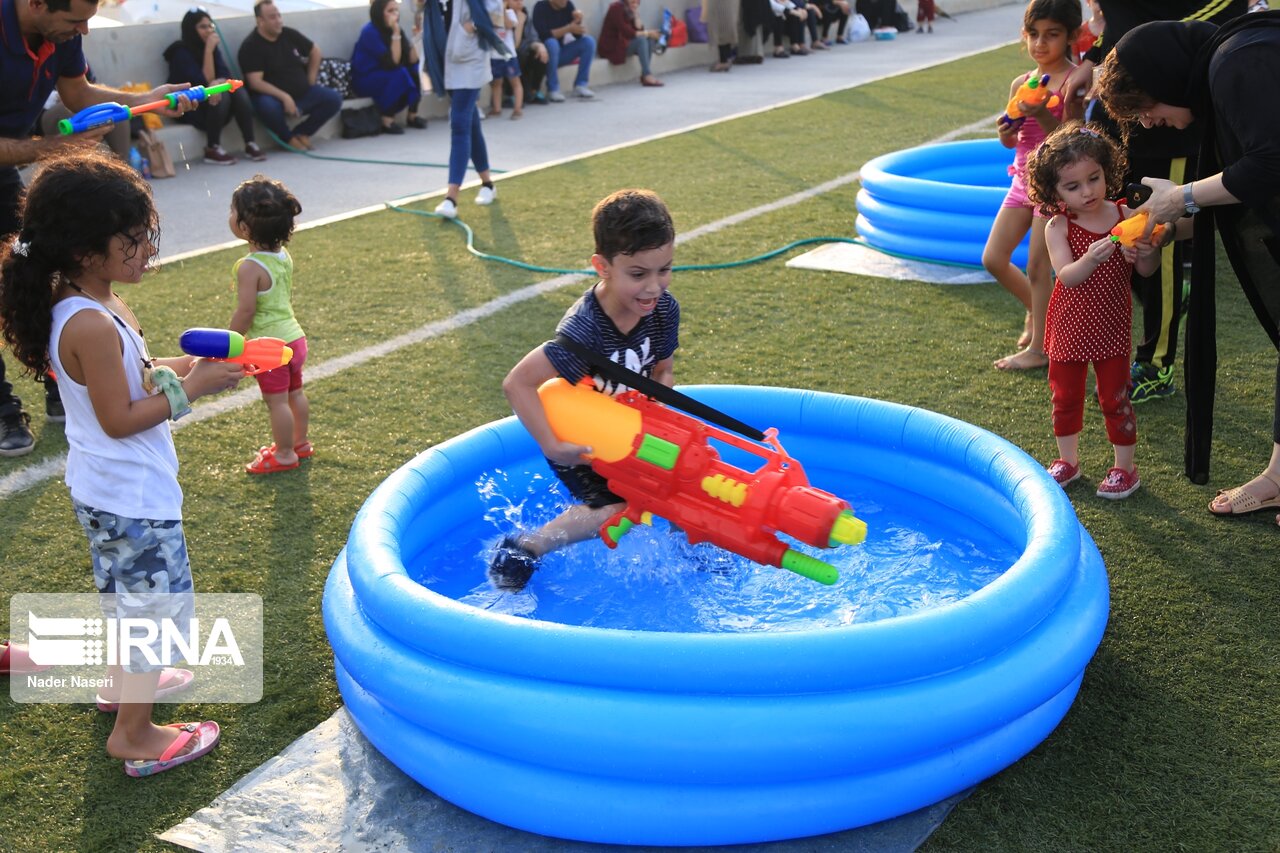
{"x": 918, "y": 555}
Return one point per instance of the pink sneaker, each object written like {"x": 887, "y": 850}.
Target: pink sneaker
{"x": 1119, "y": 484}
{"x": 1063, "y": 472}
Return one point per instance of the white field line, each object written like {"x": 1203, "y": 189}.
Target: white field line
{"x": 26, "y": 477}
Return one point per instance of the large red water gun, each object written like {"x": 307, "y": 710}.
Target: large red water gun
{"x": 659, "y": 460}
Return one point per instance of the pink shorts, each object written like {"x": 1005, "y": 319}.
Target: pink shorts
{"x": 1017, "y": 196}
{"x": 286, "y": 377}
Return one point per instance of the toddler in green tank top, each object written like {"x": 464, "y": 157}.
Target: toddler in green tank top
{"x": 262, "y": 213}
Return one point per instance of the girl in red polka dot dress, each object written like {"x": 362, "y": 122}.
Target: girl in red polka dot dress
{"x": 1072, "y": 177}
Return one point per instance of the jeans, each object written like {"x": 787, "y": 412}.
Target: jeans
{"x": 559, "y": 55}
{"x": 641, "y": 46}
{"x": 319, "y": 105}
{"x": 466, "y": 142}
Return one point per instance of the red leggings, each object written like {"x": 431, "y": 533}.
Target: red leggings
{"x": 1066, "y": 382}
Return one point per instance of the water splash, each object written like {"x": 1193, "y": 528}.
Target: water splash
{"x": 918, "y": 555}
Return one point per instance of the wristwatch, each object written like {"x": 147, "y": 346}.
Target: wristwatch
{"x": 1189, "y": 201}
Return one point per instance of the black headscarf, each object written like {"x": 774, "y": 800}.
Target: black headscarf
{"x": 1169, "y": 61}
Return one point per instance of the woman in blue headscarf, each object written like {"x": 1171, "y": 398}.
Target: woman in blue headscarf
{"x": 384, "y": 66}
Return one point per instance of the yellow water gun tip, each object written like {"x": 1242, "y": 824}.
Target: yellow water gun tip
{"x": 848, "y": 530}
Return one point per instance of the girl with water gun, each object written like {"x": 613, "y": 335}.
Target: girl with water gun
{"x": 1048, "y": 28}
{"x": 1072, "y": 177}
{"x": 89, "y": 222}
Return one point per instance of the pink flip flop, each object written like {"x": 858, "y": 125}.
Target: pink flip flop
{"x": 14, "y": 660}
{"x": 206, "y": 735}
{"x": 171, "y": 681}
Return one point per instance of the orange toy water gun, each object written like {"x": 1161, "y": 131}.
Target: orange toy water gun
{"x": 257, "y": 355}
{"x": 1128, "y": 231}
{"x": 660, "y": 462}
{"x": 1034, "y": 90}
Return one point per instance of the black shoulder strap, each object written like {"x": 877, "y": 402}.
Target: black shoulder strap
{"x": 625, "y": 376}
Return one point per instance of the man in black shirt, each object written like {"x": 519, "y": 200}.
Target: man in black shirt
{"x": 280, "y": 66}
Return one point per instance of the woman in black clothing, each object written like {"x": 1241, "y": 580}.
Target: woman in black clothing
{"x": 1169, "y": 74}
{"x": 197, "y": 59}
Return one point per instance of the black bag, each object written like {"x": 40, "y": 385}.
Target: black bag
{"x": 363, "y": 121}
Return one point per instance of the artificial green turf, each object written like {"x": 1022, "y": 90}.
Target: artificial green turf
{"x": 1173, "y": 743}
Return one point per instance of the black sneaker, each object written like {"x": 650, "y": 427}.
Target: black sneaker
{"x": 512, "y": 566}
{"x": 53, "y": 411}
{"x": 1148, "y": 382}
{"x": 15, "y": 435}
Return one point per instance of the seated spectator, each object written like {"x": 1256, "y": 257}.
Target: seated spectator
{"x": 835, "y": 11}
{"x": 788, "y": 22}
{"x": 623, "y": 35}
{"x": 280, "y": 66}
{"x": 560, "y": 28}
{"x": 532, "y": 54}
{"x": 507, "y": 68}
{"x": 384, "y": 66}
{"x": 197, "y": 59}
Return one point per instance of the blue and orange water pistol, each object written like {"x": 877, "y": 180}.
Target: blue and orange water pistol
{"x": 659, "y": 460}
{"x": 100, "y": 114}
{"x": 257, "y": 355}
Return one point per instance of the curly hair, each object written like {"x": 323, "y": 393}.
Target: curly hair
{"x": 267, "y": 209}
{"x": 1121, "y": 95}
{"x": 75, "y": 206}
{"x": 631, "y": 221}
{"x": 1072, "y": 142}
{"x": 1065, "y": 12}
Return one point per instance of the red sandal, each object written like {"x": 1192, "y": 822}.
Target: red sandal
{"x": 304, "y": 450}
{"x": 266, "y": 463}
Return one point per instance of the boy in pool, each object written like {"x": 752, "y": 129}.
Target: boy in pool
{"x": 628, "y": 317}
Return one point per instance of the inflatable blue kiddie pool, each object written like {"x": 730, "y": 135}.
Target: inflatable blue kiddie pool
{"x": 936, "y": 202}
{"x": 697, "y": 737}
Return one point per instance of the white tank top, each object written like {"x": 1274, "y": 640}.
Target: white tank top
{"x": 135, "y": 476}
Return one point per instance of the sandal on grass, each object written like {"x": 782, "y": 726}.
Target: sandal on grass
{"x": 1243, "y": 502}
{"x": 15, "y": 660}
{"x": 266, "y": 463}
{"x": 304, "y": 450}
{"x": 205, "y": 735}
{"x": 171, "y": 681}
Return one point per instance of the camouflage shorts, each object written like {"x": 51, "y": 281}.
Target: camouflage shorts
{"x": 140, "y": 566}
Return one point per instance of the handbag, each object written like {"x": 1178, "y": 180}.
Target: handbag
{"x": 150, "y": 147}
{"x": 361, "y": 121}
{"x": 697, "y": 29}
